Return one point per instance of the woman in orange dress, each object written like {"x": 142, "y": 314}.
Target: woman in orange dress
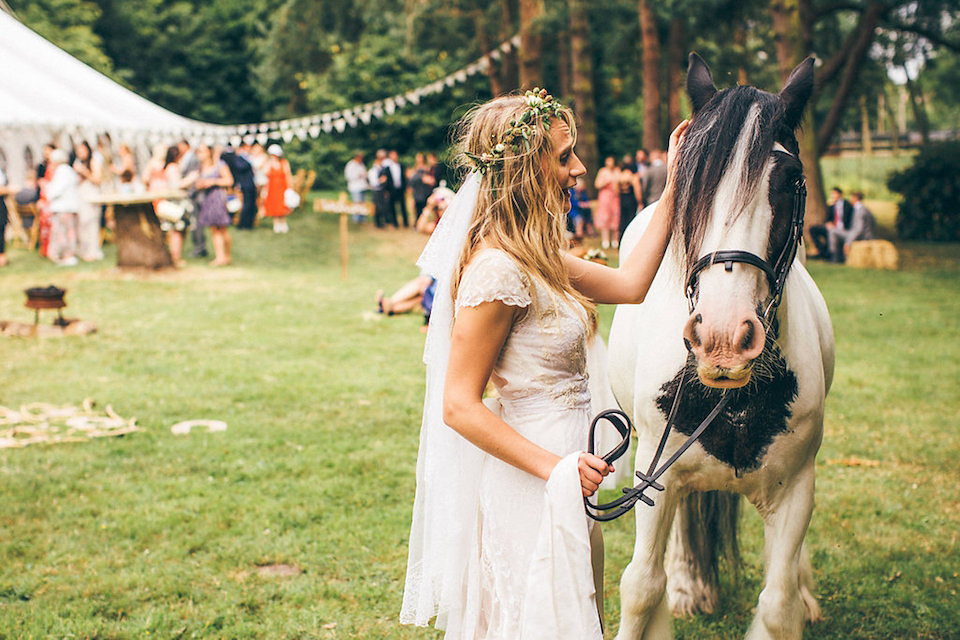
{"x": 279, "y": 179}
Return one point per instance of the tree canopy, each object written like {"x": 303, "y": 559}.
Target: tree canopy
{"x": 234, "y": 61}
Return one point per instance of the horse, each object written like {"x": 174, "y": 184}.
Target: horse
{"x": 731, "y": 317}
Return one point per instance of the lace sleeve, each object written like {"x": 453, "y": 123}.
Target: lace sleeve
{"x": 493, "y": 275}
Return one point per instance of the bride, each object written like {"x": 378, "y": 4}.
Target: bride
{"x": 500, "y": 546}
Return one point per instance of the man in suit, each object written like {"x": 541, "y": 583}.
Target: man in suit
{"x": 656, "y": 177}
{"x": 839, "y": 217}
{"x": 397, "y": 186}
{"x": 379, "y": 177}
{"x": 862, "y": 227}
{"x": 190, "y": 168}
{"x": 242, "y": 172}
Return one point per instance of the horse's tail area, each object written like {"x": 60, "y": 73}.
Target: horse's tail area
{"x": 704, "y": 532}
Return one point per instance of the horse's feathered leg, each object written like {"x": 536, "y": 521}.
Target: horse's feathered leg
{"x": 806, "y": 588}
{"x": 704, "y": 530}
{"x": 645, "y": 614}
{"x": 781, "y": 610}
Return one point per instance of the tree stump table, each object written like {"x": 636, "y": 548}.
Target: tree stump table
{"x": 137, "y": 232}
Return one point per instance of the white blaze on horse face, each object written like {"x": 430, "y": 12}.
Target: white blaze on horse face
{"x": 724, "y": 331}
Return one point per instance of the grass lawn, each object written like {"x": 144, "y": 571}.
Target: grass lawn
{"x": 293, "y": 523}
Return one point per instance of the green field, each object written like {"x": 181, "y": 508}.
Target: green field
{"x": 293, "y": 523}
{"x": 857, "y": 172}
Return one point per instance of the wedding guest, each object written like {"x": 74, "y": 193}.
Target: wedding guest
{"x": 606, "y": 218}
{"x": 355, "y": 173}
{"x": 422, "y": 183}
{"x": 212, "y": 183}
{"x": 630, "y": 193}
{"x": 90, "y": 172}
{"x": 125, "y": 169}
{"x": 63, "y": 197}
{"x": 243, "y": 177}
{"x": 397, "y": 187}
{"x": 279, "y": 179}
{"x": 189, "y": 167}
{"x": 378, "y": 176}
{"x": 173, "y": 213}
{"x": 433, "y": 210}
{"x": 656, "y": 176}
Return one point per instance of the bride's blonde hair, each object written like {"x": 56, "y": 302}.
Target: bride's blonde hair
{"x": 521, "y": 208}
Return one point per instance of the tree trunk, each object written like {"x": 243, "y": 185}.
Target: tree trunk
{"x": 794, "y": 38}
{"x": 675, "y": 73}
{"x": 650, "y": 43}
{"x": 918, "y": 107}
{"x": 866, "y": 138}
{"x": 582, "y": 85}
{"x": 562, "y": 43}
{"x": 863, "y": 37}
{"x": 483, "y": 44}
{"x": 509, "y": 72}
{"x": 531, "y": 11}
{"x": 740, "y": 44}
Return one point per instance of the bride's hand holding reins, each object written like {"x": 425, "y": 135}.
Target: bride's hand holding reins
{"x": 592, "y": 470}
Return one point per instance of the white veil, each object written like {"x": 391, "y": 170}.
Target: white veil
{"x": 444, "y": 529}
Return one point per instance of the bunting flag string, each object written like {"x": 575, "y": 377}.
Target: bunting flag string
{"x": 312, "y": 126}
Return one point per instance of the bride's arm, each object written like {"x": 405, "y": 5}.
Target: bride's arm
{"x": 630, "y": 282}
{"x": 479, "y": 333}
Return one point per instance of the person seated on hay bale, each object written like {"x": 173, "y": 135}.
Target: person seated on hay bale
{"x": 839, "y": 217}
{"x": 862, "y": 227}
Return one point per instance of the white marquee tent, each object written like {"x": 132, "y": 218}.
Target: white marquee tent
{"x": 46, "y": 94}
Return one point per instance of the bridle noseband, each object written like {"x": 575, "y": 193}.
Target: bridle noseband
{"x": 776, "y": 278}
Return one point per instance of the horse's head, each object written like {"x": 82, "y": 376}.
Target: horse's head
{"x": 739, "y": 183}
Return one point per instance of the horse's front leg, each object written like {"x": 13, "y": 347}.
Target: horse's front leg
{"x": 785, "y": 600}
{"x": 644, "y": 613}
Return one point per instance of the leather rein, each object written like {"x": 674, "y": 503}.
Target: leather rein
{"x": 776, "y": 278}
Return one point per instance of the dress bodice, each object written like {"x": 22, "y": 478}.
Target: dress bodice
{"x": 543, "y": 363}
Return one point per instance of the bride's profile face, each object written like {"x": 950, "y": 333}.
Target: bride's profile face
{"x": 567, "y": 165}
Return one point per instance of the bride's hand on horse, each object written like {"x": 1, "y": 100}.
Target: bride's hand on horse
{"x": 673, "y": 151}
{"x": 592, "y": 470}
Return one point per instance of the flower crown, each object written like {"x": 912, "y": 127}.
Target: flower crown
{"x": 540, "y": 104}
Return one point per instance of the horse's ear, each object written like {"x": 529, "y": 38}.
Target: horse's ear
{"x": 700, "y": 86}
{"x": 796, "y": 92}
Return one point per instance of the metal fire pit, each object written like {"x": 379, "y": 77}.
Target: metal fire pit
{"x": 46, "y": 298}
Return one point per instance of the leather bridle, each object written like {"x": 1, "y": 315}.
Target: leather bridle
{"x": 776, "y": 278}
{"x": 776, "y": 274}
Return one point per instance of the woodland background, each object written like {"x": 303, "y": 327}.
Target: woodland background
{"x": 621, "y": 63}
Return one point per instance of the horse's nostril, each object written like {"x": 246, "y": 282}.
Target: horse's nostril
{"x": 691, "y": 332}
{"x": 746, "y": 340}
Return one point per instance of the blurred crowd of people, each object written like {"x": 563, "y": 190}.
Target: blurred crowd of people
{"x": 388, "y": 184}
{"x": 622, "y": 190}
{"x": 206, "y": 187}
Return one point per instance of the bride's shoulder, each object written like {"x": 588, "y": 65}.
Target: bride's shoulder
{"x": 493, "y": 274}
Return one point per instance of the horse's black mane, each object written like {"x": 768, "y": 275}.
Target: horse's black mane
{"x": 707, "y": 152}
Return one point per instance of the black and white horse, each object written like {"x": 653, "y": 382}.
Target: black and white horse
{"x": 732, "y": 312}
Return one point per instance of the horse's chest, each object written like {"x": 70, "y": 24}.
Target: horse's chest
{"x": 740, "y": 435}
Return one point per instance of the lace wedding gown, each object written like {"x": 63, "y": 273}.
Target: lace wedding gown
{"x": 531, "y": 576}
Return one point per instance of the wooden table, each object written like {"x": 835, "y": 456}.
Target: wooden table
{"x": 137, "y": 232}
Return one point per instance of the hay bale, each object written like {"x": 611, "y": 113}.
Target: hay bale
{"x": 873, "y": 254}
